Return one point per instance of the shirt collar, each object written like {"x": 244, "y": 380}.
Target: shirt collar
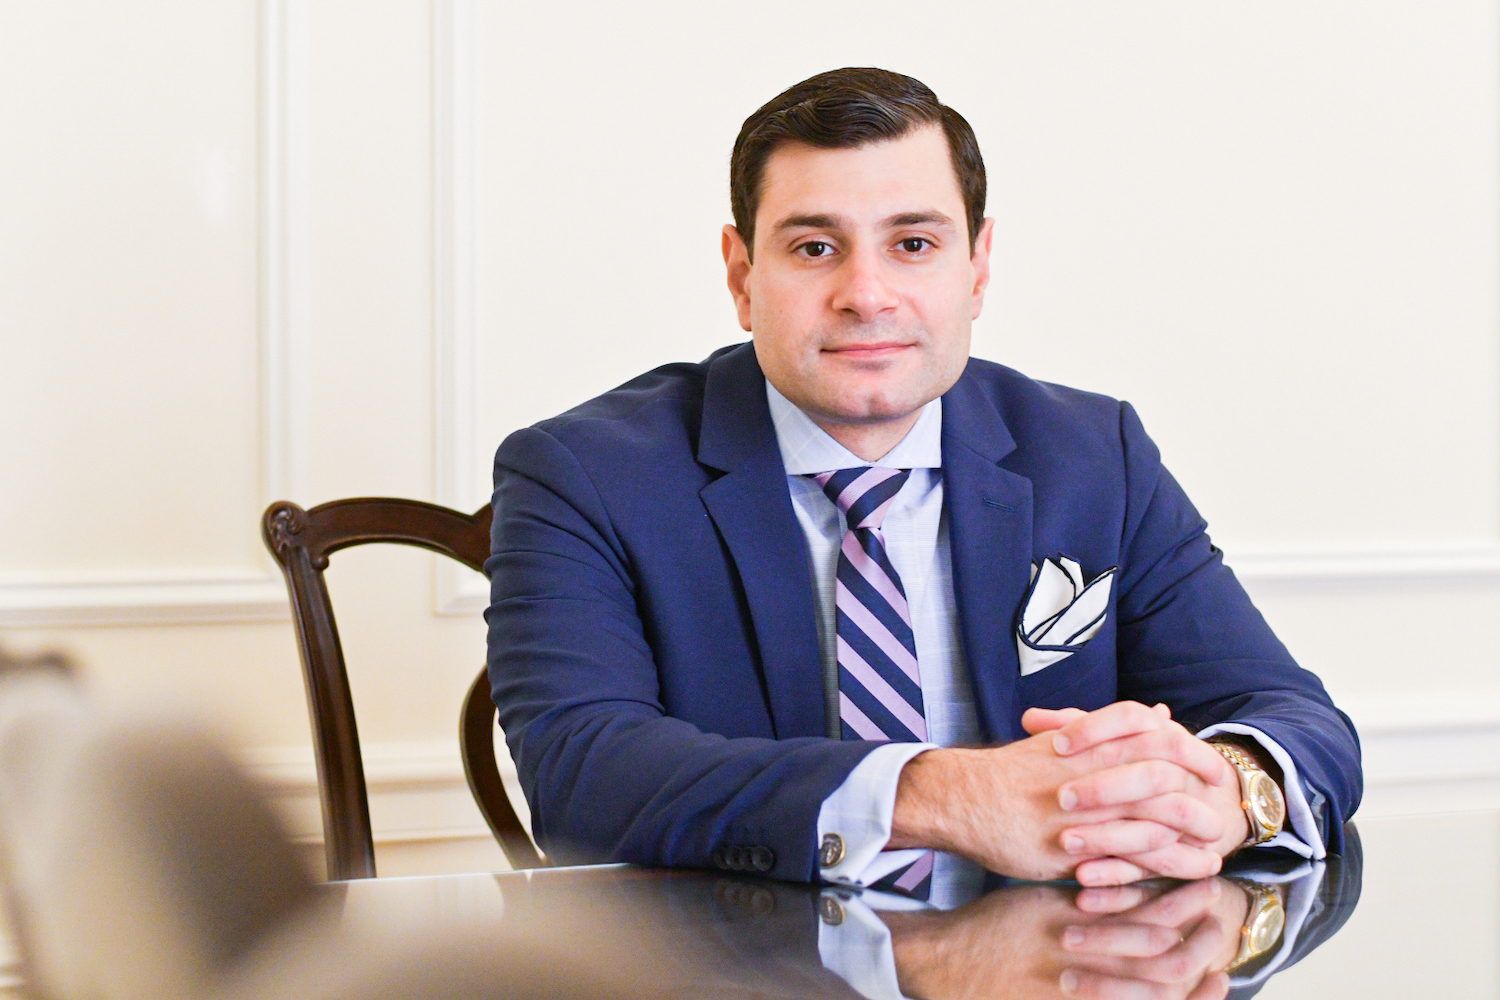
{"x": 807, "y": 448}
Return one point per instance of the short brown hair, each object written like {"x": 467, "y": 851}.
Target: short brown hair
{"x": 843, "y": 109}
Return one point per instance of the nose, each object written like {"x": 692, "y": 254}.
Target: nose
{"x": 863, "y": 290}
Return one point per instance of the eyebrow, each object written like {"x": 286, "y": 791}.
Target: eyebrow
{"x": 823, "y": 221}
{"x": 808, "y": 222}
{"x": 918, "y": 219}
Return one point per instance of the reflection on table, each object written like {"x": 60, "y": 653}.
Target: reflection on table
{"x": 746, "y": 937}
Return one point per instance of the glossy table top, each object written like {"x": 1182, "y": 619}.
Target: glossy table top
{"x": 1411, "y": 911}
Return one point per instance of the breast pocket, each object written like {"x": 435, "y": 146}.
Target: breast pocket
{"x": 1087, "y": 679}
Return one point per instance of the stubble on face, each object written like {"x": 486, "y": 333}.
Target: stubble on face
{"x": 869, "y": 373}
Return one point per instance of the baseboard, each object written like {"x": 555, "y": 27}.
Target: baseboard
{"x": 1424, "y": 753}
{"x": 417, "y": 791}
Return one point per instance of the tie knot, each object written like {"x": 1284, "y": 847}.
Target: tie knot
{"x": 863, "y": 494}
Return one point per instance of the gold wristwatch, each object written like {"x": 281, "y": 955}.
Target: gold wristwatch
{"x": 1263, "y": 924}
{"x": 1260, "y": 796}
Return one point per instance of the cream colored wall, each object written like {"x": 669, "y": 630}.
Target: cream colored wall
{"x": 316, "y": 249}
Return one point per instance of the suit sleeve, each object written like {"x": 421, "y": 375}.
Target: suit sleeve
{"x": 608, "y": 774}
{"x": 1190, "y": 637}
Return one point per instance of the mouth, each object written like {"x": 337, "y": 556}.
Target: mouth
{"x": 869, "y": 351}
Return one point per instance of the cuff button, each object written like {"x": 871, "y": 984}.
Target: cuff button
{"x": 831, "y": 851}
{"x": 830, "y": 909}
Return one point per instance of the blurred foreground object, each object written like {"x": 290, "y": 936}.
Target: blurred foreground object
{"x": 139, "y": 862}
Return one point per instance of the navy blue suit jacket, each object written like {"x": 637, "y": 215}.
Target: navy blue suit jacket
{"x": 652, "y": 639}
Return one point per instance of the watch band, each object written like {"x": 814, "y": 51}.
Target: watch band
{"x": 1260, "y": 797}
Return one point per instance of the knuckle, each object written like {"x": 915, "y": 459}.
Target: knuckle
{"x": 1176, "y": 967}
{"x": 1180, "y": 809}
{"x": 1162, "y": 775}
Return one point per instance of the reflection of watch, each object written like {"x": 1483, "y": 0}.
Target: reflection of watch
{"x": 1260, "y": 796}
{"x": 1263, "y": 924}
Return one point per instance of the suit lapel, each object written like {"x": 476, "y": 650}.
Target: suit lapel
{"x": 752, "y": 509}
{"x": 989, "y": 530}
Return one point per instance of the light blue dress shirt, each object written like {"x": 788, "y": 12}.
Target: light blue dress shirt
{"x": 916, "y": 540}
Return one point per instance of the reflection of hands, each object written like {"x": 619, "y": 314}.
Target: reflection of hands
{"x": 1141, "y": 944}
{"x": 1180, "y": 801}
{"x": 1039, "y": 941}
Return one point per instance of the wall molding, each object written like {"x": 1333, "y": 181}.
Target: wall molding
{"x": 455, "y": 420}
{"x": 1476, "y": 563}
{"x": 173, "y": 596}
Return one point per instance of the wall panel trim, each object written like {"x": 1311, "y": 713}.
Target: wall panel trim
{"x": 157, "y": 596}
{"x": 1478, "y": 563}
{"x": 458, "y": 482}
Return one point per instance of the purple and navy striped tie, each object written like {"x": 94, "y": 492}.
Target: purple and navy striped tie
{"x": 880, "y": 686}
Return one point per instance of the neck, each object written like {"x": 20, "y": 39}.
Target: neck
{"x": 870, "y": 441}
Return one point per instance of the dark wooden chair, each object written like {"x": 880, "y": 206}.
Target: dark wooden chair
{"x": 301, "y": 540}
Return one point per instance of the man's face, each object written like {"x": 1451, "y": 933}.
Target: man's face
{"x": 862, "y": 292}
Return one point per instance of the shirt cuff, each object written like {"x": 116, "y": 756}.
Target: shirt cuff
{"x": 1300, "y": 835}
{"x": 858, "y": 950}
{"x": 859, "y": 811}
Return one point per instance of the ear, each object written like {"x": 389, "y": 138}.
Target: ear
{"x": 737, "y": 263}
{"x": 981, "y": 263}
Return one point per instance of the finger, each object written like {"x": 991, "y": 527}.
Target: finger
{"x": 1117, "y": 837}
{"x": 1041, "y": 720}
{"x": 1180, "y": 861}
{"x": 1170, "y": 743}
{"x": 1110, "y": 871}
{"x": 1185, "y": 904}
{"x": 1215, "y": 986}
{"x": 1112, "y": 899}
{"x": 1132, "y": 782}
{"x": 1093, "y": 985}
{"x": 1187, "y": 962}
{"x": 1194, "y": 819}
{"x": 1123, "y": 718}
{"x": 1125, "y": 940}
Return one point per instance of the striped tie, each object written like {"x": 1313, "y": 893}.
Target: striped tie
{"x": 880, "y": 687}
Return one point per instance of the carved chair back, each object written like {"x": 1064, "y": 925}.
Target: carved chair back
{"x": 301, "y": 541}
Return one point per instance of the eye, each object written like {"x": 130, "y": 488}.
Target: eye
{"x": 815, "y": 248}
{"x": 915, "y": 244}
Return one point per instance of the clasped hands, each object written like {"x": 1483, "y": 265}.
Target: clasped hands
{"x": 1107, "y": 797}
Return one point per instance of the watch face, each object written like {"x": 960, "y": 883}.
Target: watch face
{"x": 1266, "y": 929}
{"x": 1266, "y": 802}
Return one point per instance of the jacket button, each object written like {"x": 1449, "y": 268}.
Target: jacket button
{"x": 720, "y": 858}
{"x": 831, "y": 851}
{"x": 737, "y": 858}
{"x": 762, "y": 859}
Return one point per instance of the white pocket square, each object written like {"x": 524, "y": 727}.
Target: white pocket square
{"x": 1061, "y": 612}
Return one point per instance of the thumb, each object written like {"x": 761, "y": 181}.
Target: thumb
{"x": 1044, "y": 720}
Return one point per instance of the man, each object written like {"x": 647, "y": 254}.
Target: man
{"x": 841, "y": 597}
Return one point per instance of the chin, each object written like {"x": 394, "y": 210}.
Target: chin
{"x": 873, "y": 409}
